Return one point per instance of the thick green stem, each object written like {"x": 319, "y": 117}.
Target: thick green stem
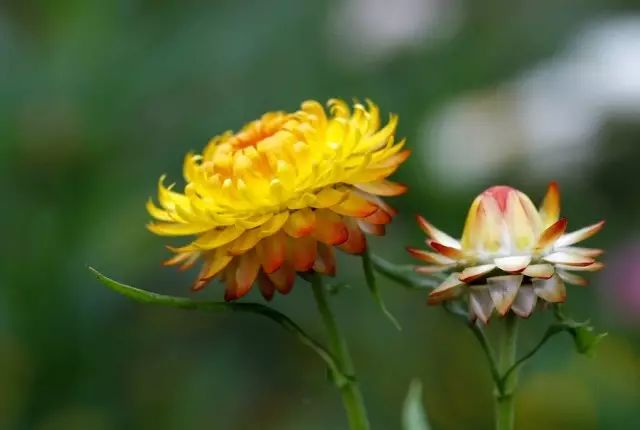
{"x": 351, "y": 395}
{"x": 504, "y": 399}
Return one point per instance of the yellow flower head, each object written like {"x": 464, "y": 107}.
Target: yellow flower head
{"x": 274, "y": 198}
{"x": 510, "y": 254}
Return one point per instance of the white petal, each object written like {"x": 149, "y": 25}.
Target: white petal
{"x": 525, "y": 302}
{"x": 572, "y": 278}
{"x": 445, "y": 288}
{"x": 593, "y": 267}
{"x": 480, "y": 303}
{"x": 585, "y": 252}
{"x": 514, "y": 264}
{"x": 539, "y": 271}
{"x": 568, "y": 259}
{"x": 472, "y": 273}
{"x": 503, "y": 290}
{"x": 436, "y": 234}
{"x": 552, "y": 290}
{"x": 579, "y": 235}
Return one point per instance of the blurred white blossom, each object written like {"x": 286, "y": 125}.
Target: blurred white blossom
{"x": 547, "y": 119}
{"x": 363, "y": 32}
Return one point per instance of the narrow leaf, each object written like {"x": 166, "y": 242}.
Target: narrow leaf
{"x": 413, "y": 414}
{"x": 285, "y": 322}
{"x": 373, "y": 288}
{"x": 405, "y": 274}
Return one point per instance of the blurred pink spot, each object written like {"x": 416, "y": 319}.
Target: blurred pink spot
{"x": 621, "y": 286}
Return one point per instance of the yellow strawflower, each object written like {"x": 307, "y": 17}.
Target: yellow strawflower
{"x": 510, "y": 255}
{"x": 276, "y": 197}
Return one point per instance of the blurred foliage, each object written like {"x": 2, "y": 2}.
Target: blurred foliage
{"x": 98, "y": 98}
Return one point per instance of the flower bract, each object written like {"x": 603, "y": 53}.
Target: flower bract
{"x": 276, "y": 197}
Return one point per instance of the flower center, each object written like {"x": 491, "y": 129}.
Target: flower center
{"x": 256, "y": 131}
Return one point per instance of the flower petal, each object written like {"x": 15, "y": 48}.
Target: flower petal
{"x": 177, "y": 229}
{"x": 383, "y": 188}
{"x": 593, "y": 267}
{"x": 380, "y": 216}
{"x": 436, "y": 234}
{"x": 271, "y": 251}
{"x": 470, "y": 274}
{"x": 445, "y": 288}
{"x": 525, "y": 302}
{"x": 267, "y": 288}
{"x": 453, "y": 253}
{"x": 283, "y": 278}
{"x": 551, "y": 290}
{"x": 328, "y": 197}
{"x": 303, "y": 253}
{"x": 429, "y": 257}
{"x": 568, "y": 259}
{"x": 480, "y": 303}
{"x": 329, "y": 228}
{"x": 356, "y": 206}
{"x": 550, "y": 208}
{"x": 503, "y": 291}
{"x": 245, "y": 242}
{"x": 374, "y": 229}
{"x": 579, "y": 235}
{"x": 572, "y": 278}
{"x": 218, "y": 237}
{"x": 300, "y": 223}
{"x": 326, "y": 261}
{"x": 551, "y": 234}
{"x": 513, "y": 264}
{"x": 212, "y": 265}
{"x": 521, "y": 229}
{"x": 585, "y": 252}
{"x": 544, "y": 271}
{"x": 356, "y": 243}
{"x": 246, "y": 273}
{"x": 157, "y": 213}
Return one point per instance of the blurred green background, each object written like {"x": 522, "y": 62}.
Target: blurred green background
{"x": 98, "y": 98}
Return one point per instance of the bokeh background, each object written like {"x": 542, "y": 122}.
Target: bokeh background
{"x": 98, "y": 98}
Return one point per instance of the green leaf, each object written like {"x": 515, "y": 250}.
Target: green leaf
{"x": 373, "y": 288}
{"x": 585, "y": 337}
{"x": 285, "y": 322}
{"x": 404, "y": 274}
{"x": 413, "y": 414}
{"x": 586, "y": 340}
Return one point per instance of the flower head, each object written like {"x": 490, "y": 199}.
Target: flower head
{"x": 276, "y": 197}
{"x": 510, "y": 254}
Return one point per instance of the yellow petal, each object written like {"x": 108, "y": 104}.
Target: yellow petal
{"x": 300, "y": 223}
{"x": 177, "y": 229}
{"x": 550, "y": 208}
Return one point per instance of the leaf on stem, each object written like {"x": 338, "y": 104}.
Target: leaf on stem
{"x": 373, "y": 288}
{"x": 585, "y": 337}
{"x": 285, "y": 322}
{"x": 413, "y": 414}
{"x": 405, "y": 274}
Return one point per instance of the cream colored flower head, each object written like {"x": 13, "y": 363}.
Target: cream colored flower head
{"x": 511, "y": 254}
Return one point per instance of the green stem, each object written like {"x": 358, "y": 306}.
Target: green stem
{"x": 351, "y": 395}
{"x": 504, "y": 399}
{"x": 488, "y": 351}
